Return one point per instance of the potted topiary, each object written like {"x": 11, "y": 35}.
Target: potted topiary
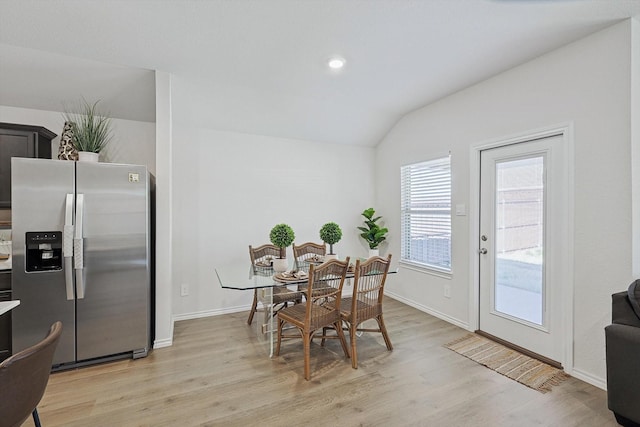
{"x": 331, "y": 234}
{"x": 373, "y": 233}
{"x": 281, "y": 236}
{"x": 91, "y": 131}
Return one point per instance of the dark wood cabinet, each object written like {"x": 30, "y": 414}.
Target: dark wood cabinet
{"x": 18, "y": 140}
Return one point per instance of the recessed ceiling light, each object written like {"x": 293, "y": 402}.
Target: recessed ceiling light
{"x": 336, "y": 63}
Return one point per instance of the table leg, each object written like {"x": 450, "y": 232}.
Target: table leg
{"x": 268, "y": 322}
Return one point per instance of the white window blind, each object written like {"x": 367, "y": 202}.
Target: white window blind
{"x": 426, "y": 214}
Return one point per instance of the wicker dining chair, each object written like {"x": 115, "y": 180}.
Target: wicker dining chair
{"x": 302, "y": 254}
{"x": 282, "y": 296}
{"x": 321, "y": 309}
{"x": 305, "y": 251}
{"x": 366, "y": 301}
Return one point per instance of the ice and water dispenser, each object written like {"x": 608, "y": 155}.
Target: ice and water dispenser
{"x": 44, "y": 251}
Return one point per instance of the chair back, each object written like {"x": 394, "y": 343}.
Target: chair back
{"x": 24, "y": 377}
{"x": 261, "y": 254}
{"x": 307, "y": 250}
{"x": 324, "y": 292}
{"x": 368, "y": 287}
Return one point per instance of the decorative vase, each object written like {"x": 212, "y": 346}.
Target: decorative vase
{"x": 280, "y": 265}
{"x": 374, "y": 252}
{"x": 66, "y": 149}
{"x": 86, "y": 156}
{"x": 327, "y": 257}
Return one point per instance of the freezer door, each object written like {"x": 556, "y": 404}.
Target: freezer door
{"x": 39, "y": 204}
{"x": 113, "y": 274}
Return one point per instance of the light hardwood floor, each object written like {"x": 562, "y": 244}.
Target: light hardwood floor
{"x": 217, "y": 374}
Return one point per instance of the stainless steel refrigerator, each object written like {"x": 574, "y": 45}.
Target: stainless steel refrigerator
{"x": 81, "y": 255}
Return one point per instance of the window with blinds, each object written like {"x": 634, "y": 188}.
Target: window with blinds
{"x": 426, "y": 214}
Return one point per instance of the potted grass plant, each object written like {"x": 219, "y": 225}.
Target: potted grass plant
{"x": 91, "y": 130}
{"x": 281, "y": 236}
{"x": 373, "y": 234}
{"x": 330, "y": 233}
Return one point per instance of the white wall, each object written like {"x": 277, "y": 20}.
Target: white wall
{"x": 230, "y": 189}
{"x": 587, "y": 83}
{"x": 163, "y": 197}
{"x": 133, "y": 142}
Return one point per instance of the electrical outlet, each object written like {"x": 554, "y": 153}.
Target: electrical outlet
{"x": 447, "y": 290}
{"x": 184, "y": 290}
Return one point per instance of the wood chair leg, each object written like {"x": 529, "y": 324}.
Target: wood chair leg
{"x": 352, "y": 340}
{"x": 385, "y": 335}
{"x": 306, "y": 342}
{"x": 254, "y": 306}
{"x": 280, "y": 323}
{"x": 36, "y": 418}
{"x": 343, "y": 340}
{"x": 324, "y": 334}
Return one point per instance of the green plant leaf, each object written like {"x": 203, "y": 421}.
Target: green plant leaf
{"x": 330, "y": 233}
{"x": 374, "y": 234}
{"x": 368, "y": 213}
{"x": 91, "y": 129}
{"x": 282, "y": 235}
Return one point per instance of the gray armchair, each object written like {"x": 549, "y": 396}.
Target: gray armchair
{"x": 23, "y": 380}
{"x": 623, "y": 357}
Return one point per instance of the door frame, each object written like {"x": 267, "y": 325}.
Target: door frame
{"x": 565, "y": 130}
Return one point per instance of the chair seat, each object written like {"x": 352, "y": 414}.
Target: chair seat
{"x": 316, "y": 292}
{"x": 363, "y": 310}
{"x": 296, "y": 315}
{"x": 282, "y": 294}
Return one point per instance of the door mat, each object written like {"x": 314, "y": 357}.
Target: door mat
{"x": 510, "y": 363}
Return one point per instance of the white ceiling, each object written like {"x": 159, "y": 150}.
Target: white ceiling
{"x": 259, "y": 66}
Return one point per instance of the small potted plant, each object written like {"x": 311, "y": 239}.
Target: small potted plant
{"x": 281, "y": 236}
{"x": 91, "y": 131}
{"x": 373, "y": 233}
{"x": 331, "y": 234}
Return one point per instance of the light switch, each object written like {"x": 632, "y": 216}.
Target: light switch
{"x": 461, "y": 209}
{"x": 134, "y": 177}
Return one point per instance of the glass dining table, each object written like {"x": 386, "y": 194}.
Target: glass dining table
{"x": 243, "y": 276}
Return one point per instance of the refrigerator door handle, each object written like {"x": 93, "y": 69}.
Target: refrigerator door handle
{"x": 78, "y": 247}
{"x": 67, "y": 246}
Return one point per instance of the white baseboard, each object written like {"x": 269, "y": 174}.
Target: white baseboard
{"x": 209, "y": 313}
{"x": 589, "y": 378}
{"x": 167, "y": 342}
{"x": 425, "y": 309}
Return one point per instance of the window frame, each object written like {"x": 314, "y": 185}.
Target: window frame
{"x": 433, "y": 172}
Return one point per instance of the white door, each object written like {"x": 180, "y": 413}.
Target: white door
{"x": 522, "y": 222}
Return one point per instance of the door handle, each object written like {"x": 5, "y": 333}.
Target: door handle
{"x": 67, "y": 246}
{"x": 482, "y": 251}
{"x": 78, "y": 247}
